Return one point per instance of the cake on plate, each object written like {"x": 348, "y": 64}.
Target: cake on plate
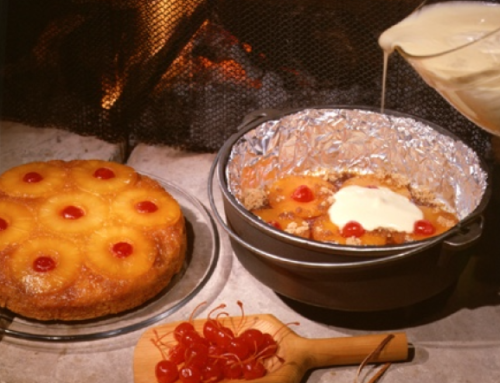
{"x": 83, "y": 239}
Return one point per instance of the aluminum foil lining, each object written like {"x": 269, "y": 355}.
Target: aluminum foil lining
{"x": 319, "y": 141}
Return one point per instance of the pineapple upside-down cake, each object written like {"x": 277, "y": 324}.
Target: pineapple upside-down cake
{"x": 85, "y": 238}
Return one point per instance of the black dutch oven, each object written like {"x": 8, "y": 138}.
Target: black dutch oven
{"x": 339, "y": 277}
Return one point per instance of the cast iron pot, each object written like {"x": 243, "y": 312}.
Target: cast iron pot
{"x": 340, "y": 277}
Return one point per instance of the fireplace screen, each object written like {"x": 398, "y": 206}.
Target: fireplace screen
{"x": 185, "y": 72}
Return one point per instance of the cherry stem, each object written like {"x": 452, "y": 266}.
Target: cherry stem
{"x": 373, "y": 354}
{"x": 242, "y": 321}
{"x": 284, "y": 327}
{"x": 265, "y": 350}
{"x": 220, "y": 307}
{"x": 221, "y": 314}
{"x": 191, "y": 317}
{"x": 227, "y": 354}
{"x": 159, "y": 337}
{"x": 157, "y": 345}
{"x": 160, "y": 344}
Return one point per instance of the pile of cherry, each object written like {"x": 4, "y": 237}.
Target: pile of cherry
{"x": 217, "y": 353}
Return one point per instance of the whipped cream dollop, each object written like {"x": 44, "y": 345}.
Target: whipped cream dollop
{"x": 374, "y": 208}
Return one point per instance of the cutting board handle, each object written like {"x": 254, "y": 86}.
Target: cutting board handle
{"x": 354, "y": 349}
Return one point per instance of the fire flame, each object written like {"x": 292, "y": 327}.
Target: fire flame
{"x": 229, "y": 70}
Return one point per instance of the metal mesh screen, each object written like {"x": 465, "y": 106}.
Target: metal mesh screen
{"x": 185, "y": 72}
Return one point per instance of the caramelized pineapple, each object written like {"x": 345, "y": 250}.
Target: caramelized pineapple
{"x": 45, "y": 265}
{"x": 16, "y": 223}
{"x": 120, "y": 252}
{"x": 287, "y": 222}
{"x": 303, "y": 196}
{"x": 436, "y": 221}
{"x": 32, "y": 180}
{"x": 325, "y": 230}
{"x": 97, "y": 176}
{"x": 73, "y": 212}
{"x": 257, "y": 175}
{"x": 145, "y": 207}
{"x": 372, "y": 181}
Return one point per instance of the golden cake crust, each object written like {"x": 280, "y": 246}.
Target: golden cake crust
{"x": 115, "y": 264}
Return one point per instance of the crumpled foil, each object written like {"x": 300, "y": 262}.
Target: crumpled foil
{"x": 321, "y": 141}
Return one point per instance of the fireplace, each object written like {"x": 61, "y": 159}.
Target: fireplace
{"x": 185, "y": 72}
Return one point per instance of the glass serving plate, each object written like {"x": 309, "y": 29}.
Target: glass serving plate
{"x": 201, "y": 258}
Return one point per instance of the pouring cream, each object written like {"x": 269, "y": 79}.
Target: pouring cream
{"x": 455, "y": 47}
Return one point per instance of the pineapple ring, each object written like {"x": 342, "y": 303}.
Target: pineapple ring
{"x": 45, "y": 177}
{"x": 66, "y": 258}
{"x": 439, "y": 218}
{"x": 93, "y": 208}
{"x": 104, "y": 258}
{"x": 283, "y": 221}
{"x": 18, "y": 221}
{"x": 257, "y": 175}
{"x": 160, "y": 207}
{"x": 325, "y": 230}
{"x": 280, "y": 195}
{"x": 374, "y": 181}
{"x": 97, "y": 176}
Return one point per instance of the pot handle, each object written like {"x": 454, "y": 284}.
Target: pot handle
{"x": 259, "y": 116}
{"x": 466, "y": 236}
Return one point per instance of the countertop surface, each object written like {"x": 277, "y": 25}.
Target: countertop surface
{"x": 455, "y": 337}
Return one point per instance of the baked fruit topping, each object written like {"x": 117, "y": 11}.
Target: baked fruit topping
{"x": 304, "y": 196}
{"x": 45, "y": 265}
{"x": 16, "y": 223}
{"x": 145, "y": 207}
{"x": 75, "y": 212}
{"x": 324, "y": 230}
{"x": 84, "y": 239}
{"x": 33, "y": 180}
{"x": 373, "y": 181}
{"x": 368, "y": 210}
{"x": 102, "y": 176}
{"x": 120, "y": 252}
{"x": 285, "y": 221}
